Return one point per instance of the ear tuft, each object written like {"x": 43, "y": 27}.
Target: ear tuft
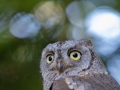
{"x": 87, "y": 42}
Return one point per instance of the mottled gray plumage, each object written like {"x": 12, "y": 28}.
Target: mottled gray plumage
{"x": 62, "y": 73}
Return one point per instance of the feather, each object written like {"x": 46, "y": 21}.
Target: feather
{"x": 94, "y": 82}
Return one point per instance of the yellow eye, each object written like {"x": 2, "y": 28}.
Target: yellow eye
{"x": 49, "y": 58}
{"x": 75, "y": 55}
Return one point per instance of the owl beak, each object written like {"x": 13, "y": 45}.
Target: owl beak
{"x": 59, "y": 66}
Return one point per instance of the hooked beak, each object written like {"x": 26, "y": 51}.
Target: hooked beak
{"x": 59, "y": 66}
{"x": 62, "y": 65}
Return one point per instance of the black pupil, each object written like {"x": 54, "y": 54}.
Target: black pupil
{"x": 75, "y": 55}
{"x": 50, "y": 58}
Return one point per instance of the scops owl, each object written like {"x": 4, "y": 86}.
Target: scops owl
{"x": 73, "y": 65}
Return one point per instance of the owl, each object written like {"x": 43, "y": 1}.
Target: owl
{"x": 73, "y": 65}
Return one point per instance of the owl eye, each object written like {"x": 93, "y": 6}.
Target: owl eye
{"x": 49, "y": 58}
{"x": 75, "y": 55}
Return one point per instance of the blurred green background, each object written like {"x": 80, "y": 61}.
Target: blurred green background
{"x": 27, "y": 26}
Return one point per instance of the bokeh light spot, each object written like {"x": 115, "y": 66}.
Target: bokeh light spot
{"x": 24, "y": 25}
{"x": 49, "y": 14}
{"x": 103, "y": 22}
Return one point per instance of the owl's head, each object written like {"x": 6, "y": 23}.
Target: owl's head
{"x": 68, "y": 58}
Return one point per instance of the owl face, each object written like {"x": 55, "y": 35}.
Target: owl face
{"x": 66, "y": 56}
{"x": 73, "y": 64}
